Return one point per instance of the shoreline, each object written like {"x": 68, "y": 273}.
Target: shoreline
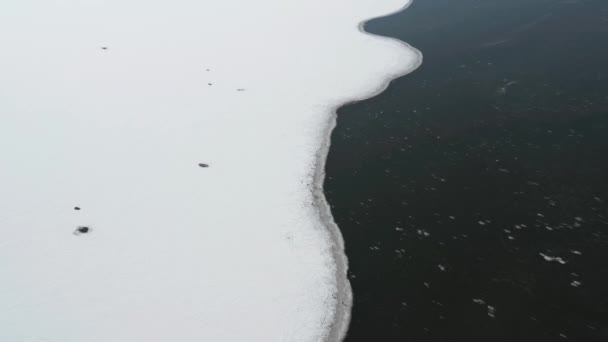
{"x": 344, "y": 301}
{"x": 153, "y": 104}
{"x": 408, "y": 158}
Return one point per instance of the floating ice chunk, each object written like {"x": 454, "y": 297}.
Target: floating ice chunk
{"x": 491, "y": 311}
{"x": 479, "y": 301}
{"x": 552, "y": 258}
{"x": 423, "y": 232}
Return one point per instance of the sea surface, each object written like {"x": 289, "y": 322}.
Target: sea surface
{"x": 473, "y": 193}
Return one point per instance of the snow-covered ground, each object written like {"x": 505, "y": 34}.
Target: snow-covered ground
{"x": 110, "y": 105}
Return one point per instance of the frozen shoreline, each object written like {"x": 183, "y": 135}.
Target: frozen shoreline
{"x": 339, "y": 327}
{"x": 191, "y": 139}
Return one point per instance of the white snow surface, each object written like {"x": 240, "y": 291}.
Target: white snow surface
{"x": 234, "y": 252}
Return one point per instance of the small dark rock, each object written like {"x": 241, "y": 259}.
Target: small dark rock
{"x": 240, "y": 89}
{"x": 210, "y": 83}
{"x": 82, "y": 230}
{"x": 104, "y": 47}
{"x": 76, "y": 208}
{"x": 203, "y": 165}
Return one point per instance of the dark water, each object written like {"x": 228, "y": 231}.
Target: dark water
{"x": 473, "y": 193}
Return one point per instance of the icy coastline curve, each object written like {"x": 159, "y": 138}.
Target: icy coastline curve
{"x": 341, "y": 321}
{"x": 163, "y": 165}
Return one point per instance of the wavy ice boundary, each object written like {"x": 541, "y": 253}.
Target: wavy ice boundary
{"x": 109, "y": 105}
{"x": 339, "y": 328}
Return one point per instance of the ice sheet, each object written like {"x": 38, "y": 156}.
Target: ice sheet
{"x": 111, "y": 105}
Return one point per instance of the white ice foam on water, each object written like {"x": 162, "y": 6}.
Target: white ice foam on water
{"x": 110, "y": 106}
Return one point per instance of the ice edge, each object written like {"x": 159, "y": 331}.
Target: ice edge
{"x": 344, "y": 301}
